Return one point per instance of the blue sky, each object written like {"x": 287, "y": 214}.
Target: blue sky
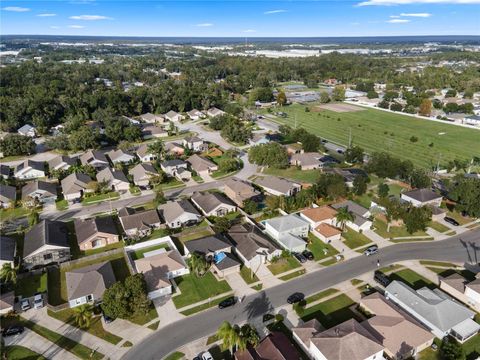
{"x": 241, "y": 18}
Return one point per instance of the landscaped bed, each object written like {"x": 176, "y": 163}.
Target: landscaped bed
{"x": 102, "y": 197}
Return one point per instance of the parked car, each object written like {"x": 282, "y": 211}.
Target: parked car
{"x": 13, "y": 330}
{"x": 25, "y": 304}
{"x": 295, "y": 298}
{"x": 207, "y": 356}
{"x": 308, "y": 254}
{"x": 381, "y": 278}
{"x": 38, "y": 301}
{"x": 230, "y": 301}
{"x": 371, "y": 250}
{"x": 299, "y": 257}
{"x": 451, "y": 221}
{"x": 340, "y": 151}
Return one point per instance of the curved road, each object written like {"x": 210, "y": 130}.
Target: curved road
{"x": 464, "y": 248}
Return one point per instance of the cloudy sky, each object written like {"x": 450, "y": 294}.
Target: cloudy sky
{"x": 241, "y": 18}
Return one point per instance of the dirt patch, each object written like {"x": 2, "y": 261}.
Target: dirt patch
{"x": 338, "y": 107}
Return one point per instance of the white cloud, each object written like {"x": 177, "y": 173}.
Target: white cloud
{"x": 405, "y": 2}
{"x": 76, "y": 26}
{"x": 204, "y": 25}
{"x": 422, "y": 15}
{"x": 249, "y": 31}
{"x": 16, "y": 9}
{"x": 398, "y": 21}
{"x": 274, "y": 11}
{"x": 46, "y": 15}
{"x": 90, "y": 17}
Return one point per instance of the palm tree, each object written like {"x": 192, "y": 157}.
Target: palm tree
{"x": 83, "y": 315}
{"x": 8, "y": 273}
{"x": 229, "y": 334}
{"x": 198, "y": 264}
{"x": 248, "y": 336}
{"x": 343, "y": 216}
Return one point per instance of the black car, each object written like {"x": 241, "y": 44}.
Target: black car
{"x": 12, "y": 330}
{"x": 308, "y": 254}
{"x": 295, "y": 298}
{"x": 227, "y": 303}
{"x": 451, "y": 221}
{"x": 381, "y": 278}
{"x": 300, "y": 257}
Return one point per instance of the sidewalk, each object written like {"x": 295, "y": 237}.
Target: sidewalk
{"x": 127, "y": 330}
{"x": 377, "y": 239}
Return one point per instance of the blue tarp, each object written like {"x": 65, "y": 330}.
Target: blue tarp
{"x": 219, "y": 257}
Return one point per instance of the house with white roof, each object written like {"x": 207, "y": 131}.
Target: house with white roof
{"x": 120, "y": 157}
{"x": 29, "y": 169}
{"x": 214, "y": 112}
{"x": 27, "y": 130}
{"x": 289, "y": 231}
{"x": 195, "y": 114}
{"x": 173, "y": 116}
{"x": 144, "y": 154}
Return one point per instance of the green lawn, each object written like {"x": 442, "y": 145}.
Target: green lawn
{"x": 292, "y": 275}
{"x": 331, "y": 312}
{"x": 438, "y": 263}
{"x": 61, "y": 205}
{"x": 395, "y": 231}
{"x": 134, "y": 190}
{"x": 457, "y": 216}
{"x": 194, "y": 289}
{"x": 30, "y": 285}
{"x": 138, "y": 254}
{"x": 320, "y": 295}
{"x": 283, "y": 264}
{"x": 412, "y": 279}
{"x": 17, "y": 352}
{"x": 320, "y": 249}
{"x": 170, "y": 184}
{"x": 95, "y": 328}
{"x": 372, "y": 130}
{"x": 195, "y": 235}
{"x": 175, "y": 356}
{"x": 157, "y": 233}
{"x": 471, "y": 348}
{"x": 102, "y": 197}
{"x": 154, "y": 326}
{"x": 248, "y": 275}
{"x": 16, "y": 213}
{"x": 364, "y": 200}
{"x": 206, "y": 306}
{"x": 354, "y": 239}
{"x": 143, "y": 319}
{"x": 438, "y": 226}
{"x": 307, "y": 176}
{"x": 117, "y": 245}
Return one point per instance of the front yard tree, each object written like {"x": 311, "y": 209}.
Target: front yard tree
{"x": 229, "y": 335}
{"x": 157, "y": 148}
{"x": 360, "y": 185}
{"x": 221, "y": 225}
{"x": 16, "y": 144}
{"x": 324, "y": 97}
{"x": 417, "y": 218}
{"x": 272, "y": 154}
{"x": 281, "y": 98}
{"x": 354, "y": 155}
{"x": 8, "y": 274}
{"x": 338, "y": 93}
{"x": 248, "y": 337}
{"x": 83, "y": 315}
{"x": 466, "y": 192}
{"x": 198, "y": 265}
{"x": 343, "y": 216}
{"x": 425, "y": 108}
{"x": 383, "y": 190}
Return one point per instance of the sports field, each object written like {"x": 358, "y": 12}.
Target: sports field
{"x": 376, "y": 130}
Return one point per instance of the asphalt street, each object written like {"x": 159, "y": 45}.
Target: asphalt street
{"x": 463, "y": 249}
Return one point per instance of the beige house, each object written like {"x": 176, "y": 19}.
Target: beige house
{"x": 240, "y": 191}
{"x": 462, "y": 289}
{"x": 213, "y": 204}
{"x": 115, "y": 179}
{"x": 201, "y": 165}
{"x": 95, "y": 233}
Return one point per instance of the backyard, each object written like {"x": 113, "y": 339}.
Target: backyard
{"x": 305, "y": 176}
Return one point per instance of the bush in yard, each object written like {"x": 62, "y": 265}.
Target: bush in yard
{"x": 450, "y": 349}
{"x": 413, "y": 139}
{"x": 221, "y": 225}
{"x": 250, "y": 207}
{"x": 383, "y": 190}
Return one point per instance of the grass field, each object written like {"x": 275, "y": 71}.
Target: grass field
{"x": 376, "y": 130}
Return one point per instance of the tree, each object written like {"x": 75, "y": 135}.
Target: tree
{"x": 159, "y": 197}
{"x": 324, "y": 97}
{"x": 272, "y": 202}
{"x": 84, "y": 138}
{"x": 197, "y": 264}
{"x": 221, "y": 225}
{"x": 83, "y": 315}
{"x": 383, "y": 190}
{"x": 157, "y": 148}
{"x": 281, "y": 98}
{"x": 425, "y": 107}
{"x": 354, "y": 155}
{"x": 139, "y": 302}
{"x": 8, "y": 273}
{"x": 417, "y": 218}
{"x": 450, "y": 349}
{"x": 329, "y": 185}
{"x": 272, "y": 154}
{"x": 248, "y": 336}
{"x": 372, "y": 94}
{"x": 360, "y": 184}
{"x": 451, "y": 93}
{"x": 33, "y": 218}
{"x": 466, "y": 192}
{"x": 250, "y": 206}
{"x": 338, "y": 93}
{"x": 263, "y": 94}
{"x": 396, "y": 106}
{"x": 343, "y": 216}
{"x": 16, "y": 144}
{"x": 384, "y": 104}
{"x": 229, "y": 335}
{"x": 227, "y": 165}
{"x": 420, "y": 179}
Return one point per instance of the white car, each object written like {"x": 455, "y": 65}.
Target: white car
{"x": 24, "y": 304}
{"x": 38, "y": 301}
{"x": 207, "y": 356}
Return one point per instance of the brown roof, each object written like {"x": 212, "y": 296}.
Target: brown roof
{"x": 320, "y": 213}
{"x": 328, "y": 230}
{"x": 456, "y": 281}
{"x": 249, "y": 240}
{"x": 140, "y": 220}
{"x": 86, "y": 229}
{"x": 275, "y": 346}
{"x": 200, "y": 163}
{"x": 93, "y": 279}
{"x": 474, "y": 285}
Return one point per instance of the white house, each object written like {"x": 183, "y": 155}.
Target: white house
{"x": 361, "y": 215}
{"x": 29, "y": 169}
{"x": 422, "y": 197}
{"x": 195, "y": 114}
{"x": 144, "y": 154}
{"x": 213, "y": 204}
{"x": 120, "y": 156}
{"x": 179, "y": 213}
{"x": 173, "y": 116}
{"x": 195, "y": 143}
{"x": 27, "y": 130}
{"x": 289, "y": 231}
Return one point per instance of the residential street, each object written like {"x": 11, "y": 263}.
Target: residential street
{"x": 461, "y": 248}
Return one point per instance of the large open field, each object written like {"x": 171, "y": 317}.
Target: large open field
{"x": 376, "y": 130}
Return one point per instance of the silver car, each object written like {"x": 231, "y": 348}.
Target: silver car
{"x": 38, "y": 301}
{"x": 25, "y": 304}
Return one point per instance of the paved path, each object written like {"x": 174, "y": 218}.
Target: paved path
{"x": 31, "y": 340}
{"x": 127, "y": 330}
{"x": 239, "y": 286}
{"x": 462, "y": 249}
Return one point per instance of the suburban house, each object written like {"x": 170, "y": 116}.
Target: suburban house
{"x": 214, "y": 112}
{"x": 61, "y": 162}
{"x": 327, "y": 233}
{"x": 152, "y": 118}
{"x": 94, "y": 158}
{"x": 142, "y": 174}
{"x": 8, "y": 196}
{"x": 346, "y": 341}
{"x": 288, "y": 231}
{"x": 435, "y": 310}
{"x": 86, "y": 285}
{"x": 195, "y": 114}
{"x": 467, "y": 291}
{"x": 179, "y": 213}
{"x": 29, "y": 169}
{"x": 422, "y": 197}
{"x": 8, "y": 249}
{"x": 218, "y": 251}
{"x": 120, "y": 156}
{"x": 173, "y": 116}
{"x": 4, "y": 171}
{"x": 348, "y": 175}
{"x": 361, "y": 214}
{"x": 258, "y": 139}
{"x": 294, "y": 148}
{"x": 174, "y": 148}
{"x": 319, "y": 215}
{"x": 201, "y": 165}
{"x": 400, "y": 334}
{"x": 171, "y": 167}
{"x": 152, "y": 131}
{"x": 278, "y": 186}
{"x": 46, "y": 243}
{"x": 194, "y": 143}
{"x": 138, "y": 224}
{"x": 307, "y": 161}
{"x": 95, "y": 233}
{"x": 159, "y": 267}
{"x": 252, "y": 246}
{"x": 44, "y": 192}
{"x": 144, "y": 154}
{"x": 7, "y": 302}
{"x": 115, "y": 179}
{"x": 213, "y": 204}
{"x": 275, "y": 345}
{"x": 240, "y": 191}
{"x": 27, "y": 130}
{"x": 74, "y": 186}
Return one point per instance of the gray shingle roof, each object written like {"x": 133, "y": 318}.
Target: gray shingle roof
{"x": 208, "y": 244}
{"x": 7, "y": 248}
{"x": 200, "y": 163}
{"x": 85, "y": 229}
{"x": 249, "y": 240}
{"x": 46, "y": 232}
{"x": 209, "y": 201}
{"x": 75, "y": 182}
{"x": 57, "y": 160}
{"x": 276, "y": 183}
{"x": 31, "y": 187}
{"x": 172, "y": 210}
{"x": 422, "y": 195}
{"x": 93, "y": 279}
{"x": 8, "y": 193}
{"x": 139, "y": 220}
